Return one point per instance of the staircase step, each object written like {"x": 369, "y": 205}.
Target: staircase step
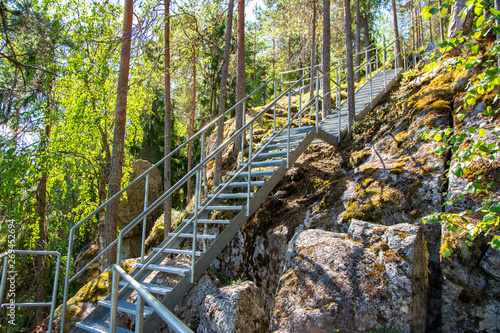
{"x": 166, "y": 269}
{"x": 178, "y": 251}
{"x": 285, "y": 137}
{"x": 209, "y": 221}
{"x": 264, "y": 164}
{"x": 281, "y": 145}
{"x": 297, "y": 129}
{"x": 260, "y": 173}
{"x": 200, "y": 236}
{"x": 98, "y": 326}
{"x": 245, "y": 184}
{"x": 223, "y": 208}
{"x": 265, "y": 156}
{"x": 152, "y": 288}
{"x": 231, "y": 195}
{"x": 127, "y": 307}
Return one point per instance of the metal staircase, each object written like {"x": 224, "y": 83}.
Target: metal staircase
{"x": 218, "y": 214}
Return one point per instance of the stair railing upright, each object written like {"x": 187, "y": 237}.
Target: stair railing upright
{"x": 172, "y": 321}
{"x": 201, "y": 134}
{"x": 191, "y": 223}
{"x": 8, "y": 257}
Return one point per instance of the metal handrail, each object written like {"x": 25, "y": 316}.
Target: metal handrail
{"x": 53, "y": 301}
{"x": 165, "y": 195}
{"x": 198, "y": 169}
{"x": 172, "y": 321}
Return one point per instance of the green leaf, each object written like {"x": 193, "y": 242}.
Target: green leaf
{"x": 480, "y": 21}
{"x": 482, "y": 132}
{"x": 448, "y": 253}
{"x": 477, "y": 34}
{"x": 494, "y": 11}
{"x": 460, "y": 116}
{"x": 475, "y": 49}
{"x": 442, "y": 13}
{"x": 438, "y": 137}
{"x": 489, "y": 218}
{"x": 472, "y": 130}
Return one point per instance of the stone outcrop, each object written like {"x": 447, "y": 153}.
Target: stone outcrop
{"x": 471, "y": 286}
{"x": 374, "y": 277}
{"x": 234, "y": 309}
{"x": 208, "y": 308}
{"x": 133, "y": 204}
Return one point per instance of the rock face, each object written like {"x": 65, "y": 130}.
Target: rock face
{"x": 374, "y": 277}
{"x": 234, "y": 309}
{"x": 471, "y": 286}
{"x": 237, "y": 308}
{"x": 133, "y": 205}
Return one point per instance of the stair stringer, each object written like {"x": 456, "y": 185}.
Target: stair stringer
{"x": 152, "y": 322}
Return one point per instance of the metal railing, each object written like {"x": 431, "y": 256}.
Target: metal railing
{"x": 8, "y": 256}
{"x": 172, "y": 321}
{"x": 199, "y": 173}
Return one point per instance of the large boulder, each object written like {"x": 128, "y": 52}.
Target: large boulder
{"x": 234, "y": 309}
{"x": 374, "y": 277}
{"x": 132, "y": 205}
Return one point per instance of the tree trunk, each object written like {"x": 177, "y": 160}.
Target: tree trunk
{"x": 223, "y": 91}
{"x": 367, "y": 38}
{"x": 313, "y": 48}
{"x": 350, "y": 70}
{"x": 441, "y": 24}
{"x": 456, "y": 21}
{"x": 191, "y": 125}
{"x": 41, "y": 212}
{"x": 430, "y": 29}
{"x": 397, "y": 47}
{"x": 357, "y": 42}
{"x": 325, "y": 59}
{"x": 422, "y": 34}
{"x": 167, "y": 181}
{"x": 497, "y": 7}
{"x": 115, "y": 175}
{"x": 240, "y": 83}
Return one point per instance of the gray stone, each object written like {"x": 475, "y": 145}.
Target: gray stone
{"x": 354, "y": 284}
{"x": 133, "y": 204}
{"x": 234, "y": 309}
{"x": 491, "y": 262}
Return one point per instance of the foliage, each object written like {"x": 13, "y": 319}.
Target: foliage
{"x": 474, "y": 146}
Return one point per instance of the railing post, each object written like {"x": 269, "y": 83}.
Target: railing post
{"x": 376, "y": 58}
{"x": 114, "y": 287}
{"x": 369, "y": 73}
{"x": 54, "y": 294}
{"x": 383, "y": 68}
{"x": 300, "y": 106}
{"x": 288, "y": 133}
{"x": 195, "y": 223}
{"x": 243, "y": 120}
{"x": 204, "y": 167}
{"x": 274, "y": 113}
{"x": 249, "y": 169}
{"x": 139, "y": 314}
{"x": 339, "y": 97}
{"x": 144, "y": 220}
{"x": 4, "y": 278}
{"x": 66, "y": 280}
{"x": 404, "y": 56}
{"x": 317, "y": 100}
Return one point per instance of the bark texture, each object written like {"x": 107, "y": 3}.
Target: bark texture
{"x": 168, "y": 125}
{"x": 240, "y": 82}
{"x": 325, "y": 59}
{"x": 115, "y": 175}
{"x": 350, "y": 71}
{"x": 223, "y": 91}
